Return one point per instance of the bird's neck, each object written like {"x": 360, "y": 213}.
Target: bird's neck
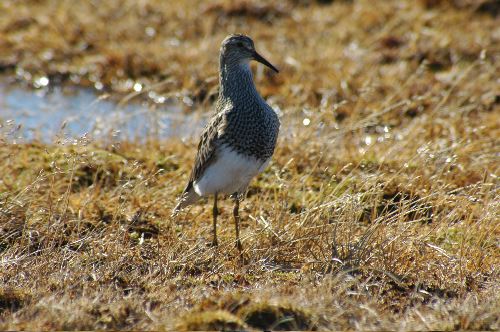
{"x": 236, "y": 82}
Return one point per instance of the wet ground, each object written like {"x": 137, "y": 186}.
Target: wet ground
{"x": 49, "y": 113}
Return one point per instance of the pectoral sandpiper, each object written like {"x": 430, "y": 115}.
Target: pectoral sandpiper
{"x": 239, "y": 140}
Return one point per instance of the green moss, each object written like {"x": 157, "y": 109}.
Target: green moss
{"x": 448, "y": 238}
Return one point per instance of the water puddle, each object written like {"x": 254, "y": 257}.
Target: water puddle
{"x": 51, "y": 113}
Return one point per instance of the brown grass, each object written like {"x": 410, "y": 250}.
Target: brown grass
{"x": 381, "y": 213}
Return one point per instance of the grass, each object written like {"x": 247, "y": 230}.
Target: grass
{"x": 379, "y": 211}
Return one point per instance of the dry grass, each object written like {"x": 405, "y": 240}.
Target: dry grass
{"x": 381, "y": 213}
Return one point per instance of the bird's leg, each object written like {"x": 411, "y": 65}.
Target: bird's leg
{"x": 236, "y": 216}
{"x": 215, "y": 212}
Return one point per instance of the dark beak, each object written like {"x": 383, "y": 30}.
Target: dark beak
{"x": 260, "y": 58}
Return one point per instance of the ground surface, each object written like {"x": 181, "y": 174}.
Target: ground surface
{"x": 380, "y": 209}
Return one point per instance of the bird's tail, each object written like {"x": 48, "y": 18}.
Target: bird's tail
{"x": 187, "y": 198}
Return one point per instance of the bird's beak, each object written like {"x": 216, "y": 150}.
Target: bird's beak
{"x": 260, "y": 58}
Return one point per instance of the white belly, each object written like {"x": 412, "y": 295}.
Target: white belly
{"x": 229, "y": 174}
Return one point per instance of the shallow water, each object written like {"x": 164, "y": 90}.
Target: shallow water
{"x": 53, "y": 113}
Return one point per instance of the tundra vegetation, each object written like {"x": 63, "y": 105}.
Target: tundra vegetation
{"x": 380, "y": 209}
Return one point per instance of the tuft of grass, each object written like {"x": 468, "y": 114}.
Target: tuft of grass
{"x": 12, "y": 299}
{"x": 280, "y": 317}
{"x": 211, "y": 321}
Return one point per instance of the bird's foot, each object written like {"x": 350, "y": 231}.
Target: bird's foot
{"x": 242, "y": 257}
{"x": 239, "y": 246}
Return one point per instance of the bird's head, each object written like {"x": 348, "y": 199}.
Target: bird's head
{"x": 240, "y": 49}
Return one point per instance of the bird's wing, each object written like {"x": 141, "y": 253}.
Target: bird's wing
{"x": 207, "y": 147}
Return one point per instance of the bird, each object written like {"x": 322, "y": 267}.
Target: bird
{"x": 240, "y": 138}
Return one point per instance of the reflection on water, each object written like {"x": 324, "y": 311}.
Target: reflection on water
{"x": 46, "y": 114}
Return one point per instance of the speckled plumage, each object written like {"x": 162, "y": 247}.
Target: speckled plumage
{"x": 239, "y": 140}
{"x": 243, "y": 121}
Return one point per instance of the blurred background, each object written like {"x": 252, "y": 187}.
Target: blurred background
{"x": 347, "y": 58}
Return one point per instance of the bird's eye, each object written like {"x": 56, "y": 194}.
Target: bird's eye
{"x": 239, "y": 44}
